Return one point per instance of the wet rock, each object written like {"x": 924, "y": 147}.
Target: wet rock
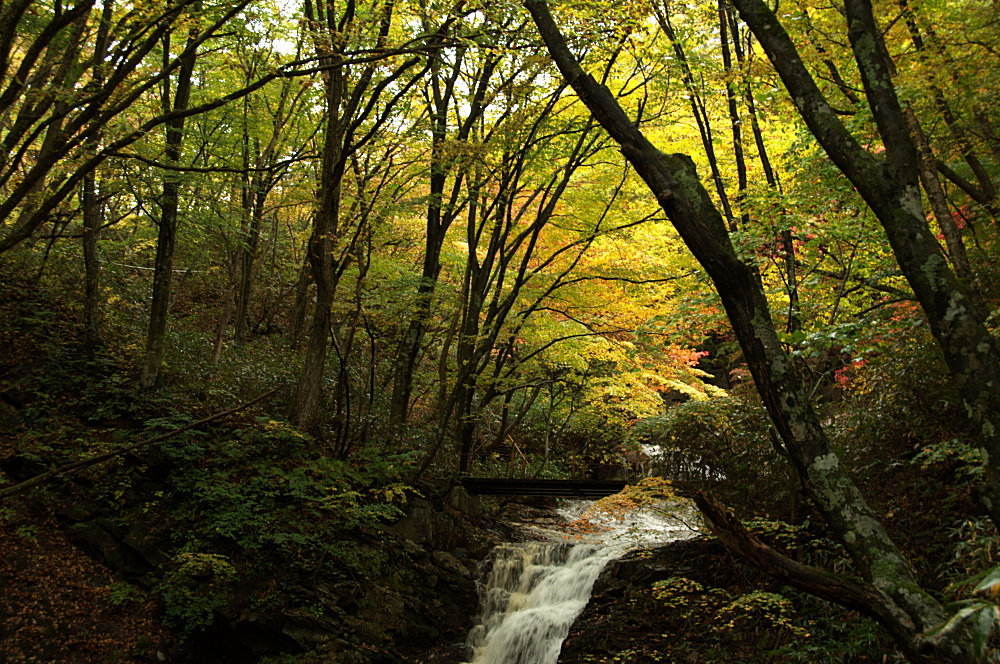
{"x": 446, "y": 561}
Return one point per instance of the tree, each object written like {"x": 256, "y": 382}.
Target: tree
{"x": 175, "y": 101}
{"x": 444, "y": 101}
{"x": 891, "y": 188}
{"x": 890, "y": 593}
{"x": 266, "y": 157}
{"x": 700, "y": 111}
{"x": 262, "y": 148}
{"x": 354, "y": 95}
{"x": 57, "y": 111}
{"x": 90, "y": 205}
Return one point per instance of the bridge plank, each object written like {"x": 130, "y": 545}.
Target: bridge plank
{"x": 555, "y": 488}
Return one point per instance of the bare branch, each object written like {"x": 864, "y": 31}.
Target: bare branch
{"x": 77, "y": 466}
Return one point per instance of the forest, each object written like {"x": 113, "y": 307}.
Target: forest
{"x": 276, "y": 276}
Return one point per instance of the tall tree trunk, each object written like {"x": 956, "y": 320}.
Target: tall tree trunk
{"x": 736, "y": 124}
{"x": 891, "y": 593}
{"x": 254, "y": 198}
{"x": 698, "y": 110}
{"x": 308, "y": 396}
{"x": 892, "y": 190}
{"x": 91, "y": 206}
{"x": 166, "y": 239}
{"x": 307, "y": 411}
{"x": 226, "y": 315}
{"x": 474, "y": 289}
{"x": 786, "y": 239}
{"x": 440, "y": 214}
{"x": 350, "y": 100}
{"x": 246, "y": 257}
{"x": 409, "y": 347}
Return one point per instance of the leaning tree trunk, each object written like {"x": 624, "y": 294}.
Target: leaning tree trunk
{"x": 892, "y": 189}
{"x": 939, "y": 205}
{"x": 735, "y": 122}
{"x": 891, "y": 592}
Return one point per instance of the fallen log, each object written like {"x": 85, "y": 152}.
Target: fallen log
{"x": 79, "y": 465}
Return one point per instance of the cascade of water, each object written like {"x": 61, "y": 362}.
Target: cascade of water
{"x": 530, "y": 599}
{"x": 535, "y": 590}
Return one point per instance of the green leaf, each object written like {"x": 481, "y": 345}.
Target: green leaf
{"x": 957, "y": 604}
{"x": 957, "y": 619}
{"x": 990, "y": 585}
{"x": 981, "y": 628}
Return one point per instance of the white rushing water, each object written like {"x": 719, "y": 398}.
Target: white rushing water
{"x": 535, "y": 590}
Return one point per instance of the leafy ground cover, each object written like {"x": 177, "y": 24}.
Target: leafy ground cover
{"x": 59, "y": 605}
{"x": 691, "y": 602}
{"x": 224, "y": 543}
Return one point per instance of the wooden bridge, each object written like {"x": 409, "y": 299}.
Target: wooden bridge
{"x": 684, "y": 476}
{"x": 555, "y": 488}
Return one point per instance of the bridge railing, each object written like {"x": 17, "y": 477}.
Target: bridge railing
{"x": 508, "y": 460}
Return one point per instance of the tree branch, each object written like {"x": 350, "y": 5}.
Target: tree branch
{"x": 77, "y": 466}
{"x": 851, "y": 593}
{"x": 212, "y": 169}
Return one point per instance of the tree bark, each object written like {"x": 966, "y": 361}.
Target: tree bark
{"x": 254, "y": 194}
{"x": 786, "y": 238}
{"x": 166, "y": 239}
{"x": 297, "y": 315}
{"x": 891, "y": 189}
{"x": 851, "y": 593}
{"x": 308, "y": 395}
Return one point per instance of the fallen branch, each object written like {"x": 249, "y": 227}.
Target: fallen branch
{"x": 76, "y": 466}
{"x": 848, "y": 592}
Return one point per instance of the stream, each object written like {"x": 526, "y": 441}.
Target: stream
{"x": 535, "y": 590}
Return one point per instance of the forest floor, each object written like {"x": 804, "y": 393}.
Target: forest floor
{"x": 59, "y": 605}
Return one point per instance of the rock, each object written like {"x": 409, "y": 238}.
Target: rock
{"x": 412, "y": 548}
{"x": 449, "y": 562}
{"x": 463, "y": 501}
{"x": 102, "y": 544}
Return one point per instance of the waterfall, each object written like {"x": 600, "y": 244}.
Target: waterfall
{"x": 535, "y": 590}
{"x": 530, "y": 599}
